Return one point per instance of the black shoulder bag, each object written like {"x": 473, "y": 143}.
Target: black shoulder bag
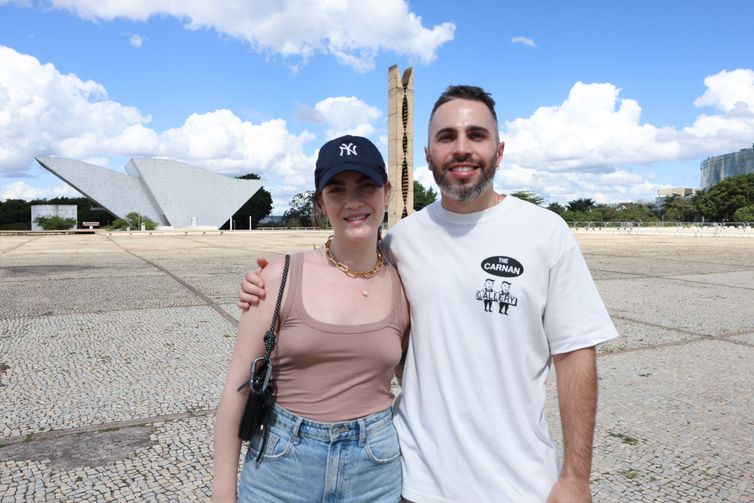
{"x": 259, "y": 404}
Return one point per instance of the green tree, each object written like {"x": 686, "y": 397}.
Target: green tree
{"x": 134, "y": 221}
{"x": 556, "y": 207}
{"x": 576, "y": 216}
{"x": 299, "y": 212}
{"x": 55, "y": 222}
{"x": 15, "y": 214}
{"x": 678, "y": 209}
{"x": 86, "y": 211}
{"x": 257, "y": 207}
{"x": 630, "y": 212}
{"x": 422, "y": 196}
{"x": 583, "y": 204}
{"x": 744, "y": 214}
{"x": 720, "y": 202}
{"x": 530, "y": 196}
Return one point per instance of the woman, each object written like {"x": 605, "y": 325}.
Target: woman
{"x": 343, "y": 326}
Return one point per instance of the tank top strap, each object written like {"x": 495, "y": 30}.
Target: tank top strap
{"x": 293, "y": 288}
{"x": 397, "y": 320}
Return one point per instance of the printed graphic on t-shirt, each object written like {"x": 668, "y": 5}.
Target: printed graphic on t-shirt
{"x": 506, "y": 267}
{"x": 499, "y": 296}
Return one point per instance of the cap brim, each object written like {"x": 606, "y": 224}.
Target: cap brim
{"x": 378, "y": 178}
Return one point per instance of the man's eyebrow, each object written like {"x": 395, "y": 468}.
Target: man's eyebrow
{"x": 445, "y": 130}
{"x": 477, "y": 129}
{"x": 474, "y": 129}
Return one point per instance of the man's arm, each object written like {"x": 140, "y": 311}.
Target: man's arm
{"x": 577, "y": 396}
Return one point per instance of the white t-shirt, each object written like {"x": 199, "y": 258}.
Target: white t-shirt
{"x": 471, "y": 417}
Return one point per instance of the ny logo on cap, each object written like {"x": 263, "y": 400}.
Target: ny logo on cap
{"x": 349, "y": 149}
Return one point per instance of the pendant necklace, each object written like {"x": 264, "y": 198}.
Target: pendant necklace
{"x": 370, "y": 274}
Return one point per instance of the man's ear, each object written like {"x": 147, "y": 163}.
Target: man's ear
{"x": 426, "y": 156}
{"x": 499, "y": 153}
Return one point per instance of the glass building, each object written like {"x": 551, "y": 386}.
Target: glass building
{"x": 716, "y": 169}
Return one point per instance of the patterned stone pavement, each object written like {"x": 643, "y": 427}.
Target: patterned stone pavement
{"x": 113, "y": 351}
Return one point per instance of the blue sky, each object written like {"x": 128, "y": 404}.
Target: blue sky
{"x": 609, "y": 100}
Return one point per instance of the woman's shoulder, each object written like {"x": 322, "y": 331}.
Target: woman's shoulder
{"x": 273, "y": 271}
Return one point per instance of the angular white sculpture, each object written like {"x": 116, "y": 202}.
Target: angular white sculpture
{"x": 169, "y": 192}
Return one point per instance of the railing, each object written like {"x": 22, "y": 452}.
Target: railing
{"x": 714, "y": 229}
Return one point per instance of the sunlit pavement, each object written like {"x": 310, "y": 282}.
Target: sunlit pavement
{"x": 113, "y": 350}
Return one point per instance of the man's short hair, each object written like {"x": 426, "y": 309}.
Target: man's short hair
{"x": 472, "y": 93}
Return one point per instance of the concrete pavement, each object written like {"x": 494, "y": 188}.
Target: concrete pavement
{"x": 113, "y": 350}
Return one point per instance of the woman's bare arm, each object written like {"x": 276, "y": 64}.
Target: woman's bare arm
{"x": 249, "y": 345}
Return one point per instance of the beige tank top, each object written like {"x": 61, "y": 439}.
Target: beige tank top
{"x": 333, "y": 373}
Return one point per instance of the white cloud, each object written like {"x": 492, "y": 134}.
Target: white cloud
{"x": 594, "y": 130}
{"x": 43, "y": 112}
{"x": 613, "y": 186}
{"x": 353, "y": 31}
{"x": 728, "y": 90}
{"x": 347, "y": 115}
{"x": 136, "y": 40}
{"x": 524, "y": 41}
{"x": 308, "y": 114}
{"x": 590, "y": 129}
{"x": 22, "y": 190}
{"x": 592, "y": 142}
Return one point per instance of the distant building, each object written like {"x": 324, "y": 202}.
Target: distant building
{"x": 718, "y": 168}
{"x": 171, "y": 193}
{"x": 53, "y": 210}
{"x": 676, "y": 191}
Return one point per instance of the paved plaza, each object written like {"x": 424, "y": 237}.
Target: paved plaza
{"x": 113, "y": 350}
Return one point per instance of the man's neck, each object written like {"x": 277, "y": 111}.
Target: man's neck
{"x": 486, "y": 200}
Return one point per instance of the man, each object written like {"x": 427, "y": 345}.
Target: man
{"x": 471, "y": 416}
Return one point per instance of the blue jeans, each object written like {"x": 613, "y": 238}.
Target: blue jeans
{"x": 307, "y": 461}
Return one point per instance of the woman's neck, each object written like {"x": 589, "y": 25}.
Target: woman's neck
{"x": 358, "y": 255}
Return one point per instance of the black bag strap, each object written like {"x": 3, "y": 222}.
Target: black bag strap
{"x": 269, "y": 336}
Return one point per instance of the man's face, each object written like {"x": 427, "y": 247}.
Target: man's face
{"x": 463, "y": 153}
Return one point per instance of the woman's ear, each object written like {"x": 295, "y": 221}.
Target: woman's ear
{"x": 317, "y": 201}
{"x": 388, "y": 192}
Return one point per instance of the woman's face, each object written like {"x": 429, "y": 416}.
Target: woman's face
{"x": 354, "y": 204}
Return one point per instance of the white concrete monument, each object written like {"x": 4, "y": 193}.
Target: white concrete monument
{"x": 171, "y": 193}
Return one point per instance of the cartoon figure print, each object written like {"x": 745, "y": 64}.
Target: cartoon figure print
{"x": 504, "y": 298}
{"x": 487, "y": 295}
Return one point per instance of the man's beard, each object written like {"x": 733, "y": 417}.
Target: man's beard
{"x": 464, "y": 192}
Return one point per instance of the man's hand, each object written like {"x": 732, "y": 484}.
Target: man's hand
{"x": 570, "y": 491}
{"x": 252, "y": 288}
{"x": 577, "y": 396}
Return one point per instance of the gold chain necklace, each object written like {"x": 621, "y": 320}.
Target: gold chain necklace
{"x": 347, "y": 270}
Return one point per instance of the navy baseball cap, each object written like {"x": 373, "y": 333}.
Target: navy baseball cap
{"x": 349, "y": 153}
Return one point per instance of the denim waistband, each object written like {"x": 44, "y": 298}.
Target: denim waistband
{"x": 330, "y": 432}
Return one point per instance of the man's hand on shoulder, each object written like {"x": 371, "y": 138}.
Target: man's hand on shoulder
{"x": 570, "y": 490}
{"x": 252, "y": 287}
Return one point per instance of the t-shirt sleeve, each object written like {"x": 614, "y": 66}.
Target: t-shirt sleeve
{"x": 575, "y": 316}
{"x": 386, "y": 249}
